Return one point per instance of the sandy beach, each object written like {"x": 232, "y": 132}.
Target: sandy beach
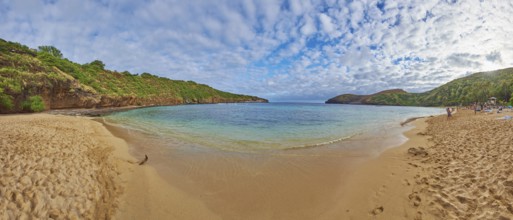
{"x": 67, "y": 167}
{"x": 468, "y": 173}
{"x": 464, "y": 172}
{"x": 56, "y": 167}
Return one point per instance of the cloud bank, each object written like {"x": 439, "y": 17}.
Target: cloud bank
{"x": 281, "y": 50}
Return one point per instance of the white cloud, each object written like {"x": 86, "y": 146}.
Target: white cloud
{"x": 276, "y": 49}
{"x": 308, "y": 27}
{"x": 326, "y": 24}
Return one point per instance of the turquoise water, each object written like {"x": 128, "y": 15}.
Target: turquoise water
{"x": 252, "y": 126}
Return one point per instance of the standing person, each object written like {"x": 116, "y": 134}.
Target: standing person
{"x": 448, "y": 112}
{"x": 475, "y": 108}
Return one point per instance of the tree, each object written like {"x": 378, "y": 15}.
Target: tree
{"x": 504, "y": 90}
{"x": 98, "y": 63}
{"x": 51, "y": 50}
{"x": 146, "y": 75}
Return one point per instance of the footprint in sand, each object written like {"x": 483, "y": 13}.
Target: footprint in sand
{"x": 380, "y": 191}
{"x": 414, "y": 199}
{"x": 418, "y": 216}
{"x": 377, "y": 210}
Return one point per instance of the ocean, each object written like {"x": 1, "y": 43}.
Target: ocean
{"x": 255, "y": 127}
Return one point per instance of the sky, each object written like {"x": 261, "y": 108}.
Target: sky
{"x": 293, "y": 50}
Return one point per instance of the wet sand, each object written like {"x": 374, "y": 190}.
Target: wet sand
{"x": 285, "y": 184}
{"x": 74, "y": 167}
{"x": 281, "y": 185}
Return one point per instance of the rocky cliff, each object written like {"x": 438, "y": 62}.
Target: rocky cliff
{"x": 34, "y": 80}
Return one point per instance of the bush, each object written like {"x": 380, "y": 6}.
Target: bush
{"x": 51, "y": 50}
{"x": 6, "y": 101}
{"x": 34, "y": 104}
{"x": 98, "y": 64}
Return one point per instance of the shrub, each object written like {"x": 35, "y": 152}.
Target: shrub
{"x": 51, "y": 50}
{"x": 98, "y": 64}
{"x": 34, "y": 104}
{"x": 6, "y": 101}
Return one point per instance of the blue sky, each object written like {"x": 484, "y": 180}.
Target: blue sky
{"x": 280, "y": 50}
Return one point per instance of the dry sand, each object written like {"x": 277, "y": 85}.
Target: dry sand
{"x": 73, "y": 167}
{"x": 55, "y": 167}
{"x": 468, "y": 173}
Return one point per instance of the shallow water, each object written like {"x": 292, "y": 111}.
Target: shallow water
{"x": 271, "y": 126}
{"x": 253, "y": 161}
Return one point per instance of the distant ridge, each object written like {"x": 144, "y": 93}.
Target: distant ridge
{"x": 36, "y": 80}
{"x": 477, "y": 87}
{"x": 361, "y": 99}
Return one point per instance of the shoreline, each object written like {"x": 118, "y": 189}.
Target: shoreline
{"x": 92, "y": 112}
{"x": 100, "y": 112}
{"x": 358, "y": 130}
{"x": 381, "y": 186}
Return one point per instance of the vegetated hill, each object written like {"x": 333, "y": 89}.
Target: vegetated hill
{"x": 477, "y": 87}
{"x": 35, "y": 80}
{"x": 361, "y": 99}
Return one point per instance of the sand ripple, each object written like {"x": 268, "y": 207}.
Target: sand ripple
{"x": 54, "y": 167}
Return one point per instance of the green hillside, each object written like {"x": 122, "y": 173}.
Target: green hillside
{"x": 477, "y": 87}
{"x": 364, "y": 99}
{"x": 34, "y": 80}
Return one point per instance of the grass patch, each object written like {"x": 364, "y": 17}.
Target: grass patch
{"x": 6, "y": 100}
{"x": 34, "y": 104}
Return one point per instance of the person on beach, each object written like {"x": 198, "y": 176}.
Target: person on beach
{"x": 448, "y": 112}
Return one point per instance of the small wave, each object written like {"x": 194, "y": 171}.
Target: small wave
{"x": 131, "y": 127}
{"x": 321, "y": 144}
